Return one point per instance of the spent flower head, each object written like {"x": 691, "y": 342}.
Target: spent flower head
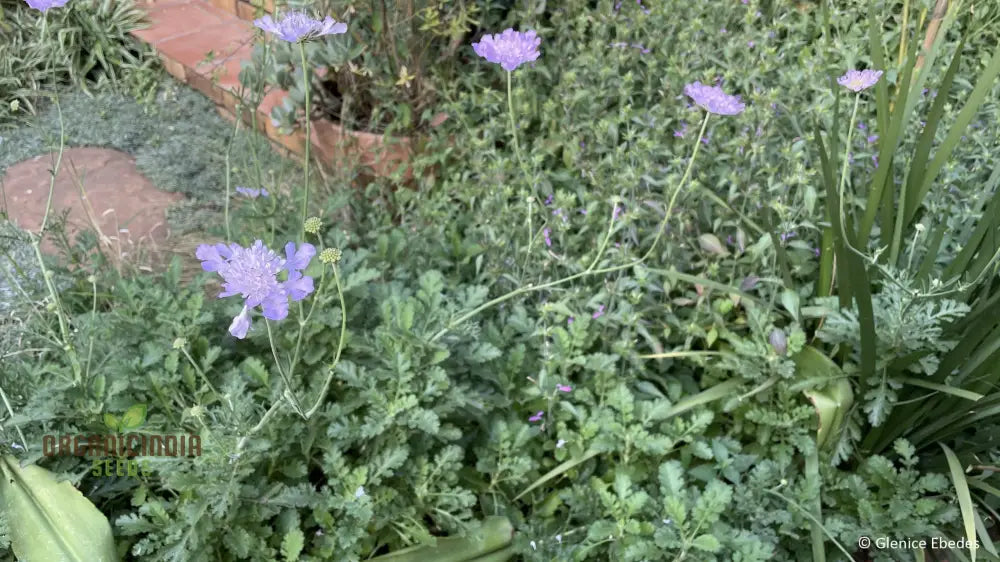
{"x": 297, "y": 26}
{"x": 44, "y": 5}
{"x": 713, "y": 99}
{"x": 252, "y": 273}
{"x": 330, "y": 256}
{"x": 858, "y": 80}
{"x": 509, "y": 49}
{"x": 312, "y": 225}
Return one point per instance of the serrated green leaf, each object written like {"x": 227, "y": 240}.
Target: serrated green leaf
{"x": 52, "y": 521}
{"x": 707, "y": 543}
{"x": 291, "y": 545}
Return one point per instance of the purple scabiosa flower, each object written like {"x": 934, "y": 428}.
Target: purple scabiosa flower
{"x": 683, "y": 129}
{"x": 564, "y": 388}
{"x": 778, "y": 341}
{"x": 297, "y": 26}
{"x": 545, "y": 233}
{"x": 252, "y": 193}
{"x": 509, "y": 49}
{"x": 875, "y": 159}
{"x": 785, "y": 236}
{"x": 713, "y": 99}
{"x": 599, "y": 313}
{"x": 583, "y": 211}
{"x": 862, "y": 127}
{"x": 858, "y": 80}
{"x": 569, "y": 321}
{"x": 872, "y": 138}
{"x": 252, "y": 273}
{"x": 704, "y": 140}
{"x": 548, "y": 200}
{"x": 617, "y": 213}
{"x": 816, "y": 252}
{"x": 723, "y": 30}
{"x": 750, "y": 44}
{"x": 45, "y": 5}
{"x": 537, "y": 417}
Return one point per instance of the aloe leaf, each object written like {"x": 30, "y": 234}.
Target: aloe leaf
{"x": 833, "y": 401}
{"x": 495, "y": 534}
{"x": 965, "y": 116}
{"x": 964, "y": 498}
{"x": 52, "y": 521}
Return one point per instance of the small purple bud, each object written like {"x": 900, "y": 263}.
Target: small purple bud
{"x": 872, "y": 139}
{"x": 564, "y": 388}
{"x": 537, "y": 417}
{"x": 778, "y": 341}
{"x": 583, "y": 211}
{"x": 548, "y": 200}
{"x": 569, "y": 321}
{"x": 749, "y": 283}
{"x": 750, "y": 44}
{"x": 599, "y": 313}
{"x": 545, "y": 233}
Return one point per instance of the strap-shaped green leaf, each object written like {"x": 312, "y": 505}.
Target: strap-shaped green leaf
{"x": 51, "y": 521}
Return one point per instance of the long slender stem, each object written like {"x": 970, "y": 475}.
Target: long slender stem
{"x": 677, "y": 190}
{"x": 229, "y": 195}
{"x": 340, "y": 346}
{"x": 284, "y": 377}
{"x": 600, "y": 252}
{"x": 306, "y": 82}
{"x": 513, "y": 126}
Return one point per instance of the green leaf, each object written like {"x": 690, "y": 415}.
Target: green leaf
{"x": 134, "y": 417}
{"x": 964, "y": 498}
{"x": 112, "y": 422}
{"x": 52, "y": 521}
{"x": 708, "y": 543}
{"x": 833, "y": 401}
{"x": 291, "y": 545}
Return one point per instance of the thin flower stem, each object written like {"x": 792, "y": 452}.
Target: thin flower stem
{"x": 202, "y": 374}
{"x": 6, "y": 402}
{"x": 260, "y": 425}
{"x": 513, "y": 126}
{"x": 305, "y": 321}
{"x": 306, "y": 82}
{"x": 284, "y": 377}
{"x": 36, "y": 239}
{"x": 229, "y": 149}
{"x": 847, "y": 153}
{"x": 340, "y": 346}
{"x": 677, "y": 190}
{"x": 600, "y": 252}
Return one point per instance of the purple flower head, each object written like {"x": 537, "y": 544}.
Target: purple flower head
{"x": 569, "y": 321}
{"x": 599, "y": 313}
{"x": 252, "y": 193}
{"x": 713, "y": 99}
{"x": 862, "y": 126}
{"x": 252, "y": 273}
{"x": 872, "y": 139}
{"x": 548, "y": 200}
{"x": 816, "y": 252}
{"x": 297, "y": 26}
{"x": 537, "y": 417}
{"x": 564, "y": 388}
{"x": 785, "y": 236}
{"x": 858, "y": 80}
{"x": 44, "y": 5}
{"x": 583, "y": 211}
{"x": 509, "y": 49}
{"x": 617, "y": 213}
{"x": 683, "y": 129}
{"x": 750, "y": 44}
{"x": 545, "y": 233}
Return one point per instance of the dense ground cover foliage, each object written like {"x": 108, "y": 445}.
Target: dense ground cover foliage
{"x": 609, "y": 311}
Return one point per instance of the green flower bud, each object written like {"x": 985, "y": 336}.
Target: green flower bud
{"x": 330, "y": 256}
{"x": 313, "y": 225}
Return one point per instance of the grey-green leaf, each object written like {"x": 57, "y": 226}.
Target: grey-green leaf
{"x": 52, "y": 521}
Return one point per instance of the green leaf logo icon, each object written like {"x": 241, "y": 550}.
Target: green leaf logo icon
{"x": 111, "y": 421}
{"x": 133, "y": 417}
